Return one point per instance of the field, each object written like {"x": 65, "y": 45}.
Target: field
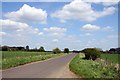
{"x": 114, "y": 58}
{"x": 16, "y": 58}
{"x": 91, "y": 69}
{"x": 15, "y": 54}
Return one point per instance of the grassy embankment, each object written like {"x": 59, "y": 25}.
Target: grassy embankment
{"x": 16, "y": 58}
{"x": 91, "y": 69}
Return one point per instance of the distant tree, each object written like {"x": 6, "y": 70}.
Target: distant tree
{"x": 41, "y": 49}
{"x": 56, "y": 51}
{"x": 66, "y": 50}
{"x": 0, "y": 48}
{"x": 75, "y": 51}
{"x": 20, "y": 48}
{"x": 35, "y": 49}
{"x": 112, "y": 50}
{"x": 13, "y": 49}
{"x": 4, "y": 48}
{"x": 27, "y": 48}
{"x": 118, "y": 50}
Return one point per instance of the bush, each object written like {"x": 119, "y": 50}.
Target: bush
{"x": 66, "y": 50}
{"x": 42, "y": 49}
{"x": 56, "y": 50}
{"x": 91, "y": 53}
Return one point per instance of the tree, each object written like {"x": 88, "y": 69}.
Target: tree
{"x": 42, "y": 49}
{"x": 112, "y": 50}
{"x": 20, "y": 48}
{"x": 66, "y": 50}
{"x": 27, "y": 48}
{"x": 91, "y": 53}
{"x": 56, "y": 51}
{"x": 4, "y": 48}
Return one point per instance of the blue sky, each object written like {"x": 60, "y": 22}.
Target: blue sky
{"x": 76, "y": 25}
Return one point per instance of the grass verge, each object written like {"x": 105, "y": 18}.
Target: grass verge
{"x": 91, "y": 69}
{"x": 20, "y": 58}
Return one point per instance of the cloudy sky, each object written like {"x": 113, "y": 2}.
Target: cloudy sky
{"x": 76, "y": 24}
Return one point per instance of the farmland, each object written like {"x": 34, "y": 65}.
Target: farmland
{"x": 91, "y": 69}
{"x": 111, "y": 57}
{"x": 16, "y": 58}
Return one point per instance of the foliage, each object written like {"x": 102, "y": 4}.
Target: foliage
{"x": 66, "y": 50}
{"x": 56, "y": 51}
{"x": 91, "y": 53}
{"x": 27, "y": 48}
{"x": 42, "y": 49}
{"x": 4, "y": 48}
{"x": 91, "y": 69}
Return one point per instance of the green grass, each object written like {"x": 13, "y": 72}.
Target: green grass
{"x": 16, "y": 58}
{"x": 91, "y": 69}
{"x": 111, "y": 57}
{"x": 14, "y": 54}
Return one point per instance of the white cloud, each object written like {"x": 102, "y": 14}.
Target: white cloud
{"x": 108, "y": 28}
{"x": 55, "y": 40}
{"x": 40, "y": 33}
{"x": 55, "y": 31}
{"x": 57, "y": 34}
{"x": 80, "y": 10}
{"x": 3, "y": 34}
{"x": 12, "y": 25}
{"x": 112, "y": 36}
{"x": 28, "y": 14}
{"x": 18, "y": 27}
{"x": 86, "y": 35}
{"x": 98, "y": 1}
{"x": 90, "y": 27}
{"x": 109, "y": 3}
{"x": 71, "y": 39}
{"x": 104, "y": 2}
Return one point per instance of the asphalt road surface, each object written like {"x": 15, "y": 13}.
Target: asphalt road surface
{"x": 53, "y": 68}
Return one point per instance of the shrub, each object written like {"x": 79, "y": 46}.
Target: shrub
{"x": 42, "y": 49}
{"x": 66, "y": 50}
{"x": 56, "y": 50}
{"x": 91, "y": 53}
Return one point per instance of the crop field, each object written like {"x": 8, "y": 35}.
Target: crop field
{"x": 16, "y": 58}
{"x": 15, "y": 54}
{"x": 91, "y": 69}
{"x": 114, "y": 58}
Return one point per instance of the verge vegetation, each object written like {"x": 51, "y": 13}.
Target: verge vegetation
{"x": 16, "y": 58}
{"x": 91, "y": 69}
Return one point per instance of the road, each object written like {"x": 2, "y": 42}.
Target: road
{"x": 53, "y": 68}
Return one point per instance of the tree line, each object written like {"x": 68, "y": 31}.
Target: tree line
{"x": 41, "y": 49}
{"x": 113, "y": 51}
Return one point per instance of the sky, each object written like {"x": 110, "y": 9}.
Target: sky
{"x": 75, "y": 25}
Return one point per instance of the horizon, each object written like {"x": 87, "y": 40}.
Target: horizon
{"x": 56, "y": 24}
{"x": 58, "y": 47}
